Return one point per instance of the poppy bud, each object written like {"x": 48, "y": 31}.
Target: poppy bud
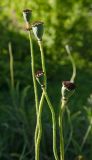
{"x": 39, "y": 77}
{"x": 38, "y": 29}
{"x": 27, "y": 15}
{"x": 68, "y": 89}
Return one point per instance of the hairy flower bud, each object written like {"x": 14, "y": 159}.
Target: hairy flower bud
{"x": 38, "y": 29}
{"x": 68, "y": 89}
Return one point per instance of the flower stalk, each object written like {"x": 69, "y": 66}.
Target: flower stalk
{"x": 12, "y": 89}
{"x": 43, "y": 63}
{"x": 37, "y": 28}
{"x": 72, "y": 62}
{"x": 33, "y": 73}
{"x": 11, "y": 67}
{"x": 45, "y": 95}
{"x": 54, "y": 124}
{"x": 62, "y": 108}
{"x": 38, "y": 132}
{"x": 68, "y": 88}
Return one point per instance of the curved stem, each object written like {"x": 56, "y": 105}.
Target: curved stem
{"x": 73, "y": 64}
{"x": 54, "y": 125}
{"x": 33, "y": 73}
{"x": 39, "y": 126}
{"x": 35, "y": 87}
{"x": 43, "y": 63}
{"x": 38, "y": 130}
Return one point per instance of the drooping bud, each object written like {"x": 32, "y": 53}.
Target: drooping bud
{"x": 68, "y": 89}
{"x": 39, "y": 77}
{"x": 38, "y": 30}
{"x": 39, "y": 74}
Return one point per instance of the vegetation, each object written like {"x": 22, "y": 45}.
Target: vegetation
{"x": 67, "y": 22}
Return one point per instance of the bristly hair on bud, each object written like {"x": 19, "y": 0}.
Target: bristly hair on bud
{"x": 38, "y": 30}
{"x": 68, "y": 89}
{"x": 27, "y": 13}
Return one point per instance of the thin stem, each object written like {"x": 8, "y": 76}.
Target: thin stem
{"x": 71, "y": 129}
{"x": 61, "y": 129}
{"x": 73, "y": 64}
{"x": 39, "y": 126}
{"x": 43, "y": 63}
{"x": 38, "y": 130}
{"x": 12, "y": 75}
{"x": 36, "y": 134}
{"x": 11, "y": 66}
{"x": 33, "y": 73}
{"x": 86, "y": 134}
{"x": 54, "y": 125}
{"x": 35, "y": 87}
{"x": 23, "y": 152}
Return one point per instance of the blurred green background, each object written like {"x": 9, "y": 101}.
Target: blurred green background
{"x": 65, "y": 22}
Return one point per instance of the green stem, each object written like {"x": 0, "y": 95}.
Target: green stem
{"x": 38, "y": 133}
{"x": 73, "y": 64}
{"x": 86, "y": 134}
{"x": 35, "y": 85}
{"x": 12, "y": 75}
{"x": 38, "y": 130}
{"x": 43, "y": 63}
{"x": 11, "y": 67}
{"x": 71, "y": 129}
{"x": 61, "y": 130}
{"x": 54, "y": 125}
{"x": 33, "y": 73}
